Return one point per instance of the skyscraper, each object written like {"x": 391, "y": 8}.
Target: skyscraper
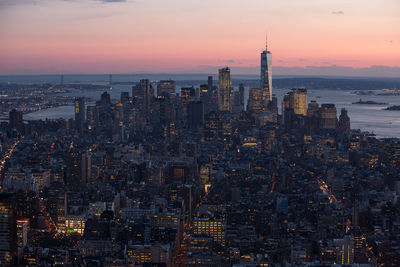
{"x": 195, "y": 116}
{"x": 15, "y": 118}
{"x": 86, "y": 166}
{"x": 344, "y": 121}
{"x": 254, "y": 104}
{"x": 124, "y": 97}
{"x": 8, "y": 233}
{"x": 80, "y": 113}
{"x": 241, "y": 92}
{"x": 328, "y": 116}
{"x": 167, "y": 87}
{"x": 210, "y": 82}
{"x": 187, "y": 93}
{"x": 225, "y": 92}
{"x": 266, "y": 75}
{"x": 298, "y": 101}
{"x": 143, "y": 94}
{"x": 344, "y": 250}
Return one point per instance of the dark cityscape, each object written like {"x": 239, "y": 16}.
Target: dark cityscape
{"x": 205, "y": 168}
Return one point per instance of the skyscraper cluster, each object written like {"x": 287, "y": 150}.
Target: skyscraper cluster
{"x": 176, "y": 175}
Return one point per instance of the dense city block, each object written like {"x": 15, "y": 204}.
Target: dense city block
{"x": 199, "y": 177}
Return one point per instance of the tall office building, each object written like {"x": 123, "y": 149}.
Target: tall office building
{"x": 92, "y": 117}
{"x": 80, "y": 113}
{"x": 298, "y": 101}
{"x": 328, "y": 116}
{"x": 210, "y": 82}
{"x": 167, "y": 87}
{"x": 86, "y": 167}
{"x": 16, "y": 120}
{"x": 313, "y": 109}
{"x": 237, "y": 104}
{"x": 241, "y": 92}
{"x": 8, "y": 230}
{"x": 22, "y": 232}
{"x": 124, "y": 98}
{"x": 266, "y": 75}
{"x": 211, "y": 126}
{"x": 187, "y": 93}
{"x": 344, "y": 250}
{"x": 344, "y": 121}
{"x": 225, "y": 92}
{"x": 105, "y": 99}
{"x": 313, "y": 117}
{"x": 255, "y": 104}
{"x": 195, "y": 116}
{"x": 143, "y": 94}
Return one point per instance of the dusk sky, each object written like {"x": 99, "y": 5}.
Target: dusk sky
{"x": 197, "y": 36}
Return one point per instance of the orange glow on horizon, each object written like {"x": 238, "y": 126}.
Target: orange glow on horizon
{"x": 81, "y": 36}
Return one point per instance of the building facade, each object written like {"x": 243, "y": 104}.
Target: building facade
{"x": 225, "y": 91}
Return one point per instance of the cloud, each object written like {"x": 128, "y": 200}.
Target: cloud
{"x": 112, "y": 1}
{"x": 339, "y": 12}
{"x": 230, "y": 61}
{"x": 4, "y": 3}
{"x": 317, "y": 70}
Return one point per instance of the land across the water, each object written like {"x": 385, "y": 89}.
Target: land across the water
{"x": 335, "y": 90}
{"x": 369, "y": 102}
{"x": 394, "y": 107}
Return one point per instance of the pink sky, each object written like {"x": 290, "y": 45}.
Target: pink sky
{"x": 91, "y": 36}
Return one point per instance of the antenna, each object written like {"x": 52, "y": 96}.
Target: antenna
{"x": 266, "y": 41}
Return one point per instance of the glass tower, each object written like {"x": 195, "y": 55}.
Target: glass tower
{"x": 225, "y": 94}
{"x": 266, "y": 75}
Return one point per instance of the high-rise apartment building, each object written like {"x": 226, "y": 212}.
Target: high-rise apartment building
{"x": 225, "y": 91}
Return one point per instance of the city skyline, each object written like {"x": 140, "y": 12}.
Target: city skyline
{"x": 52, "y": 37}
{"x": 152, "y": 133}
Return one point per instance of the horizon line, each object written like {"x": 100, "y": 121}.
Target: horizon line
{"x": 208, "y": 74}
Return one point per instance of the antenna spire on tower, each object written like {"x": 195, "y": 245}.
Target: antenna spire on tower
{"x": 266, "y": 41}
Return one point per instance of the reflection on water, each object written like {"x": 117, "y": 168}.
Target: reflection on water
{"x": 372, "y": 118}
